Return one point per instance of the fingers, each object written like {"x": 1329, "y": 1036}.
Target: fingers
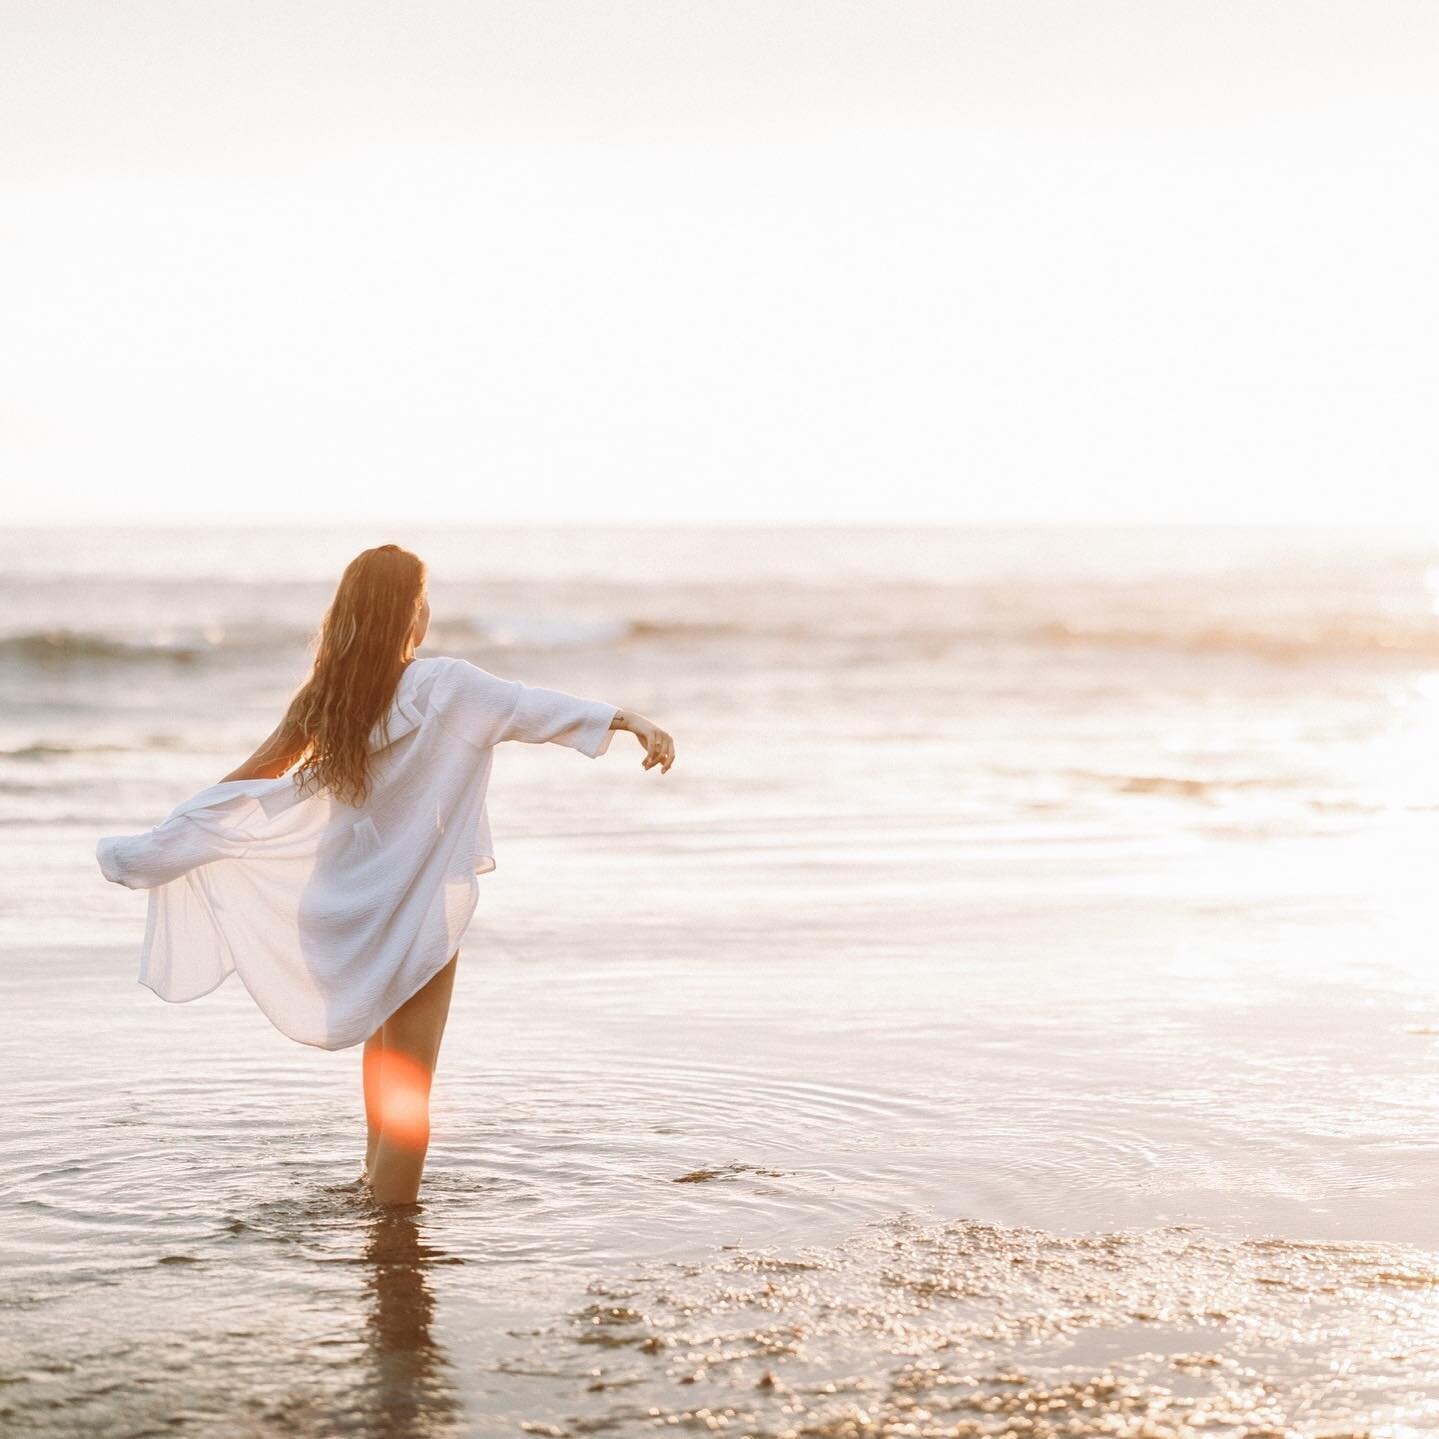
{"x": 660, "y": 751}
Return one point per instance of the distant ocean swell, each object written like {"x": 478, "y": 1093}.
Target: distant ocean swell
{"x": 1281, "y": 639}
{"x": 64, "y": 647}
{"x": 42, "y": 751}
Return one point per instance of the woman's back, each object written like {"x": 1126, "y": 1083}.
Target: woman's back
{"x": 333, "y": 912}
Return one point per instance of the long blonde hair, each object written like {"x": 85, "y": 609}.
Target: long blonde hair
{"x": 365, "y": 641}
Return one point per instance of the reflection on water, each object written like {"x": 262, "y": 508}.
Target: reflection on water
{"x": 309, "y": 1312}
{"x": 409, "y": 1391}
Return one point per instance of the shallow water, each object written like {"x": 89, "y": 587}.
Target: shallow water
{"x": 1022, "y": 1033}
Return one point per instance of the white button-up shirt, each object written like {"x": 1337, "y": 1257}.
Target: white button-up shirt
{"x": 333, "y": 914}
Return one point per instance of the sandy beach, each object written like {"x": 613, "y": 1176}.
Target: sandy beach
{"x": 1015, "y": 1014}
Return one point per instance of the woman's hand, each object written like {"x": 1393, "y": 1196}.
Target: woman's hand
{"x": 658, "y": 745}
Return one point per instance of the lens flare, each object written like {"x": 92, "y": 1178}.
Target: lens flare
{"x": 397, "y": 1094}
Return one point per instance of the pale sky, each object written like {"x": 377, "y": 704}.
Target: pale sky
{"x": 776, "y": 262}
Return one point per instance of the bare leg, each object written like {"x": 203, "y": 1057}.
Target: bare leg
{"x": 374, "y": 1047}
{"x": 403, "y": 1069}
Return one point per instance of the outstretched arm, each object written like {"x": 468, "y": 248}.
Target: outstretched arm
{"x": 489, "y": 710}
{"x": 284, "y": 745}
{"x": 557, "y": 716}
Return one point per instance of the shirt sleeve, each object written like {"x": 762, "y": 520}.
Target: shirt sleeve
{"x": 488, "y": 710}
{"x": 187, "y": 839}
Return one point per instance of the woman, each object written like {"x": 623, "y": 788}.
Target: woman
{"x": 339, "y": 894}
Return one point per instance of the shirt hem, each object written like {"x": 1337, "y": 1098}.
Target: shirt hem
{"x": 189, "y": 998}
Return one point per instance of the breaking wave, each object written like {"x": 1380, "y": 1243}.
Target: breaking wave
{"x": 1417, "y": 638}
{"x": 845, "y": 619}
{"x": 57, "y": 647}
{"x": 42, "y": 750}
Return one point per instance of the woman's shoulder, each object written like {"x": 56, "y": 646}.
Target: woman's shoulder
{"x": 453, "y": 676}
{"x": 426, "y": 669}
{"x": 462, "y": 697}
{"x": 459, "y": 668}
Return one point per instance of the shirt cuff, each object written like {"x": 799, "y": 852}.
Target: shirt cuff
{"x": 107, "y": 853}
{"x": 595, "y": 736}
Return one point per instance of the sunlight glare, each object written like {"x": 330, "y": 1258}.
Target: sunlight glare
{"x": 398, "y": 1090}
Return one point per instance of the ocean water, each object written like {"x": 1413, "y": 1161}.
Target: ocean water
{"x": 1015, "y": 1012}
